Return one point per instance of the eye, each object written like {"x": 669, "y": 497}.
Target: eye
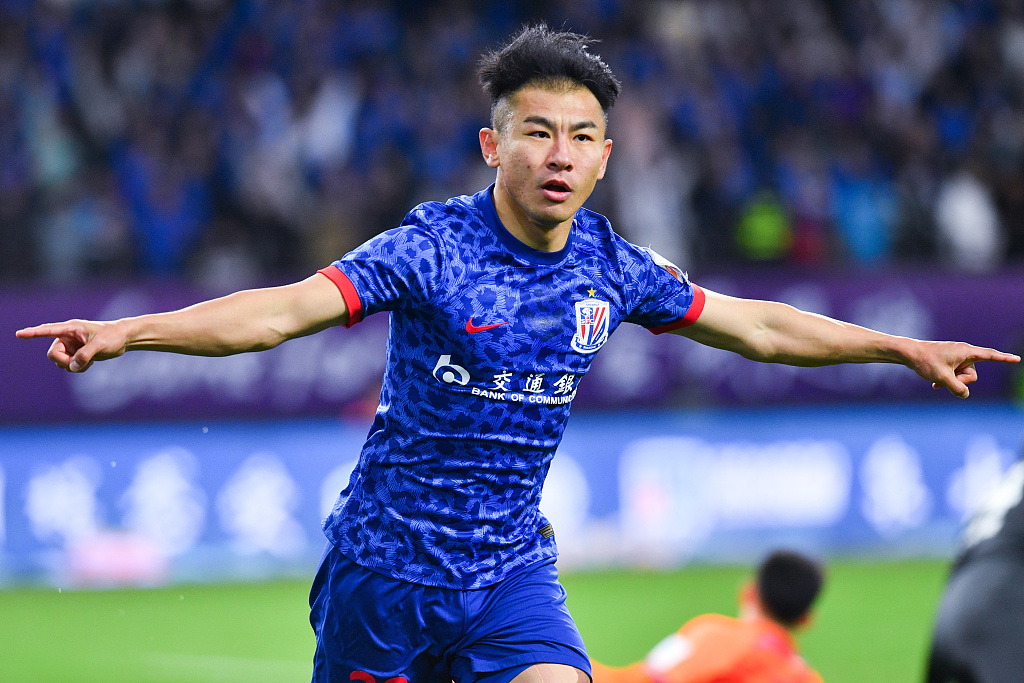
{"x": 583, "y": 137}
{"x": 538, "y": 134}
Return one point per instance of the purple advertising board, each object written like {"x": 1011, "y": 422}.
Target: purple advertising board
{"x": 338, "y": 371}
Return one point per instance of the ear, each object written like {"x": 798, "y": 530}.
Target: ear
{"x": 604, "y": 157}
{"x": 489, "y": 146}
{"x": 750, "y": 604}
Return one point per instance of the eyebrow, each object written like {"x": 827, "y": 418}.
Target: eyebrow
{"x": 542, "y": 121}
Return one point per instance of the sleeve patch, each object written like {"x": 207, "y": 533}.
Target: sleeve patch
{"x": 659, "y": 260}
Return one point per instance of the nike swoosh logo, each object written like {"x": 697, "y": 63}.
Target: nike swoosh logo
{"x": 473, "y": 329}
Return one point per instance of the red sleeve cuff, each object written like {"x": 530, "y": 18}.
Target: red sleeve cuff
{"x": 348, "y": 293}
{"x": 696, "y": 308}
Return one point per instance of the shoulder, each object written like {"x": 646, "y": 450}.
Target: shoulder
{"x": 596, "y": 231}
{"x": 716, "y": 629}
{"x": 596, "y": 238}
{"x": 712, "y": 621}
{"x": 454, "y": 225}
{"x": 712, "y": 626}
{"x": 454, "y": 213}
{"x": 427, "y": 225}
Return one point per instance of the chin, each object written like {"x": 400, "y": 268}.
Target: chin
{"x": 550, "y": 223}
{"x": 557, "y": 216}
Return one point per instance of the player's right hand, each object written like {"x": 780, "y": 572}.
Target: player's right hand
{"x": 78, "y": 343}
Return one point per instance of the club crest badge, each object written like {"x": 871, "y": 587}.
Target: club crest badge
{"x": 659, "y": 260}
{"x": 591, "y": 325}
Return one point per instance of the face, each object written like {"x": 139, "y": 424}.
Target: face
{"x": 549, "y": 154}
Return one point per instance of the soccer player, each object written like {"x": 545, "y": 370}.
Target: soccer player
{"x": 756, "y": 648}
{"x": 979, "y": 629}
{"x": 440, "y": 565}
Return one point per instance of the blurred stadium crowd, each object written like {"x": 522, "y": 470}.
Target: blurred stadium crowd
{"x": 232, "y": 142}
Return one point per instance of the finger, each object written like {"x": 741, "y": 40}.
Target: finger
{"x": 58, "y": 353}
{"x": 47, "y": 330}
{"x": 967, "y": 374}
{"x": 81, "y": 360}
{"x": 958, "y": 388}
{"x": 979, "y": 353}
{"x": 967, "y": 379}
{"x": 950, "y": 381}
{"x": 80, "y": 367}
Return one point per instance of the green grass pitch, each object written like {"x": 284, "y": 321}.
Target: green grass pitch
{"x": 873, "y": 624}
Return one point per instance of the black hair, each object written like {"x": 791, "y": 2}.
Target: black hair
{"x": 788, "y": 584}
{"x": 539, "y": 55}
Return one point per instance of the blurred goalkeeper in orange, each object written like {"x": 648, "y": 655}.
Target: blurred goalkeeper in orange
{"x": 758, "y": 647}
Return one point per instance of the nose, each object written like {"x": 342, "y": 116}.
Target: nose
{"x": 560, "y": 158}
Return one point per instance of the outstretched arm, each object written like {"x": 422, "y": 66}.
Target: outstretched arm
{"x": 250, "y": 320}
{"x": 772, "y": 332}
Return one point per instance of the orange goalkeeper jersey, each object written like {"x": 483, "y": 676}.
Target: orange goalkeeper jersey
{"x": 717, "y": 649}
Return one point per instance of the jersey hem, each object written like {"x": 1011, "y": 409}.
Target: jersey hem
{"x": 482, "y": 580}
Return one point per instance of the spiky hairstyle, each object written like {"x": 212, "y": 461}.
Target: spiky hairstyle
{"x": 539, "y": 55}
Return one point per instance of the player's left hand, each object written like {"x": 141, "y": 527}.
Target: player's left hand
{"x": 951, "y": 364}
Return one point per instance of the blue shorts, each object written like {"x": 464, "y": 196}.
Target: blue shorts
{"x": 371, "y": 628}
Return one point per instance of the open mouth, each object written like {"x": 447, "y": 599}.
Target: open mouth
{"x": 556, "y": 189}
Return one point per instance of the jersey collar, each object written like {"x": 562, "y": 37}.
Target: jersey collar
{"x": 484, "y": 201}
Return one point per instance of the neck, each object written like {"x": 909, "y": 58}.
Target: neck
{"x": 524, "y": 228}
{"x": 751, "y": 610}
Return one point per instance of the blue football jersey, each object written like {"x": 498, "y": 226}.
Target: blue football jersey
{"x": 487, "y": 343}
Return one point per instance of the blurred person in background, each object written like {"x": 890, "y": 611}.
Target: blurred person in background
{"x": 979, "y": 626}
{"x": 440, "y": 564}
{"x": 757, "y": 647}
{"x": 856, "y": 117}
{"x": 970, "y": 237}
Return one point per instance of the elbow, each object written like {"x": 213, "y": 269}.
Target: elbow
{"x": 759, "y": 347}
{"x": 764, "y": 350}
{"x": 765, "y": 355}
{"x": 262, "y": 339}
{"x": 267, "y": 342}
{"x": 273, "y": 336}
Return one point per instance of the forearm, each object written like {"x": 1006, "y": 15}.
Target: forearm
{"x": 772, "y": 332}
{"x": 251, "y": 320}
{"x": 784, "y": 334}
{"x": 776, "y": 333}
{"x": 244, "y": 321}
